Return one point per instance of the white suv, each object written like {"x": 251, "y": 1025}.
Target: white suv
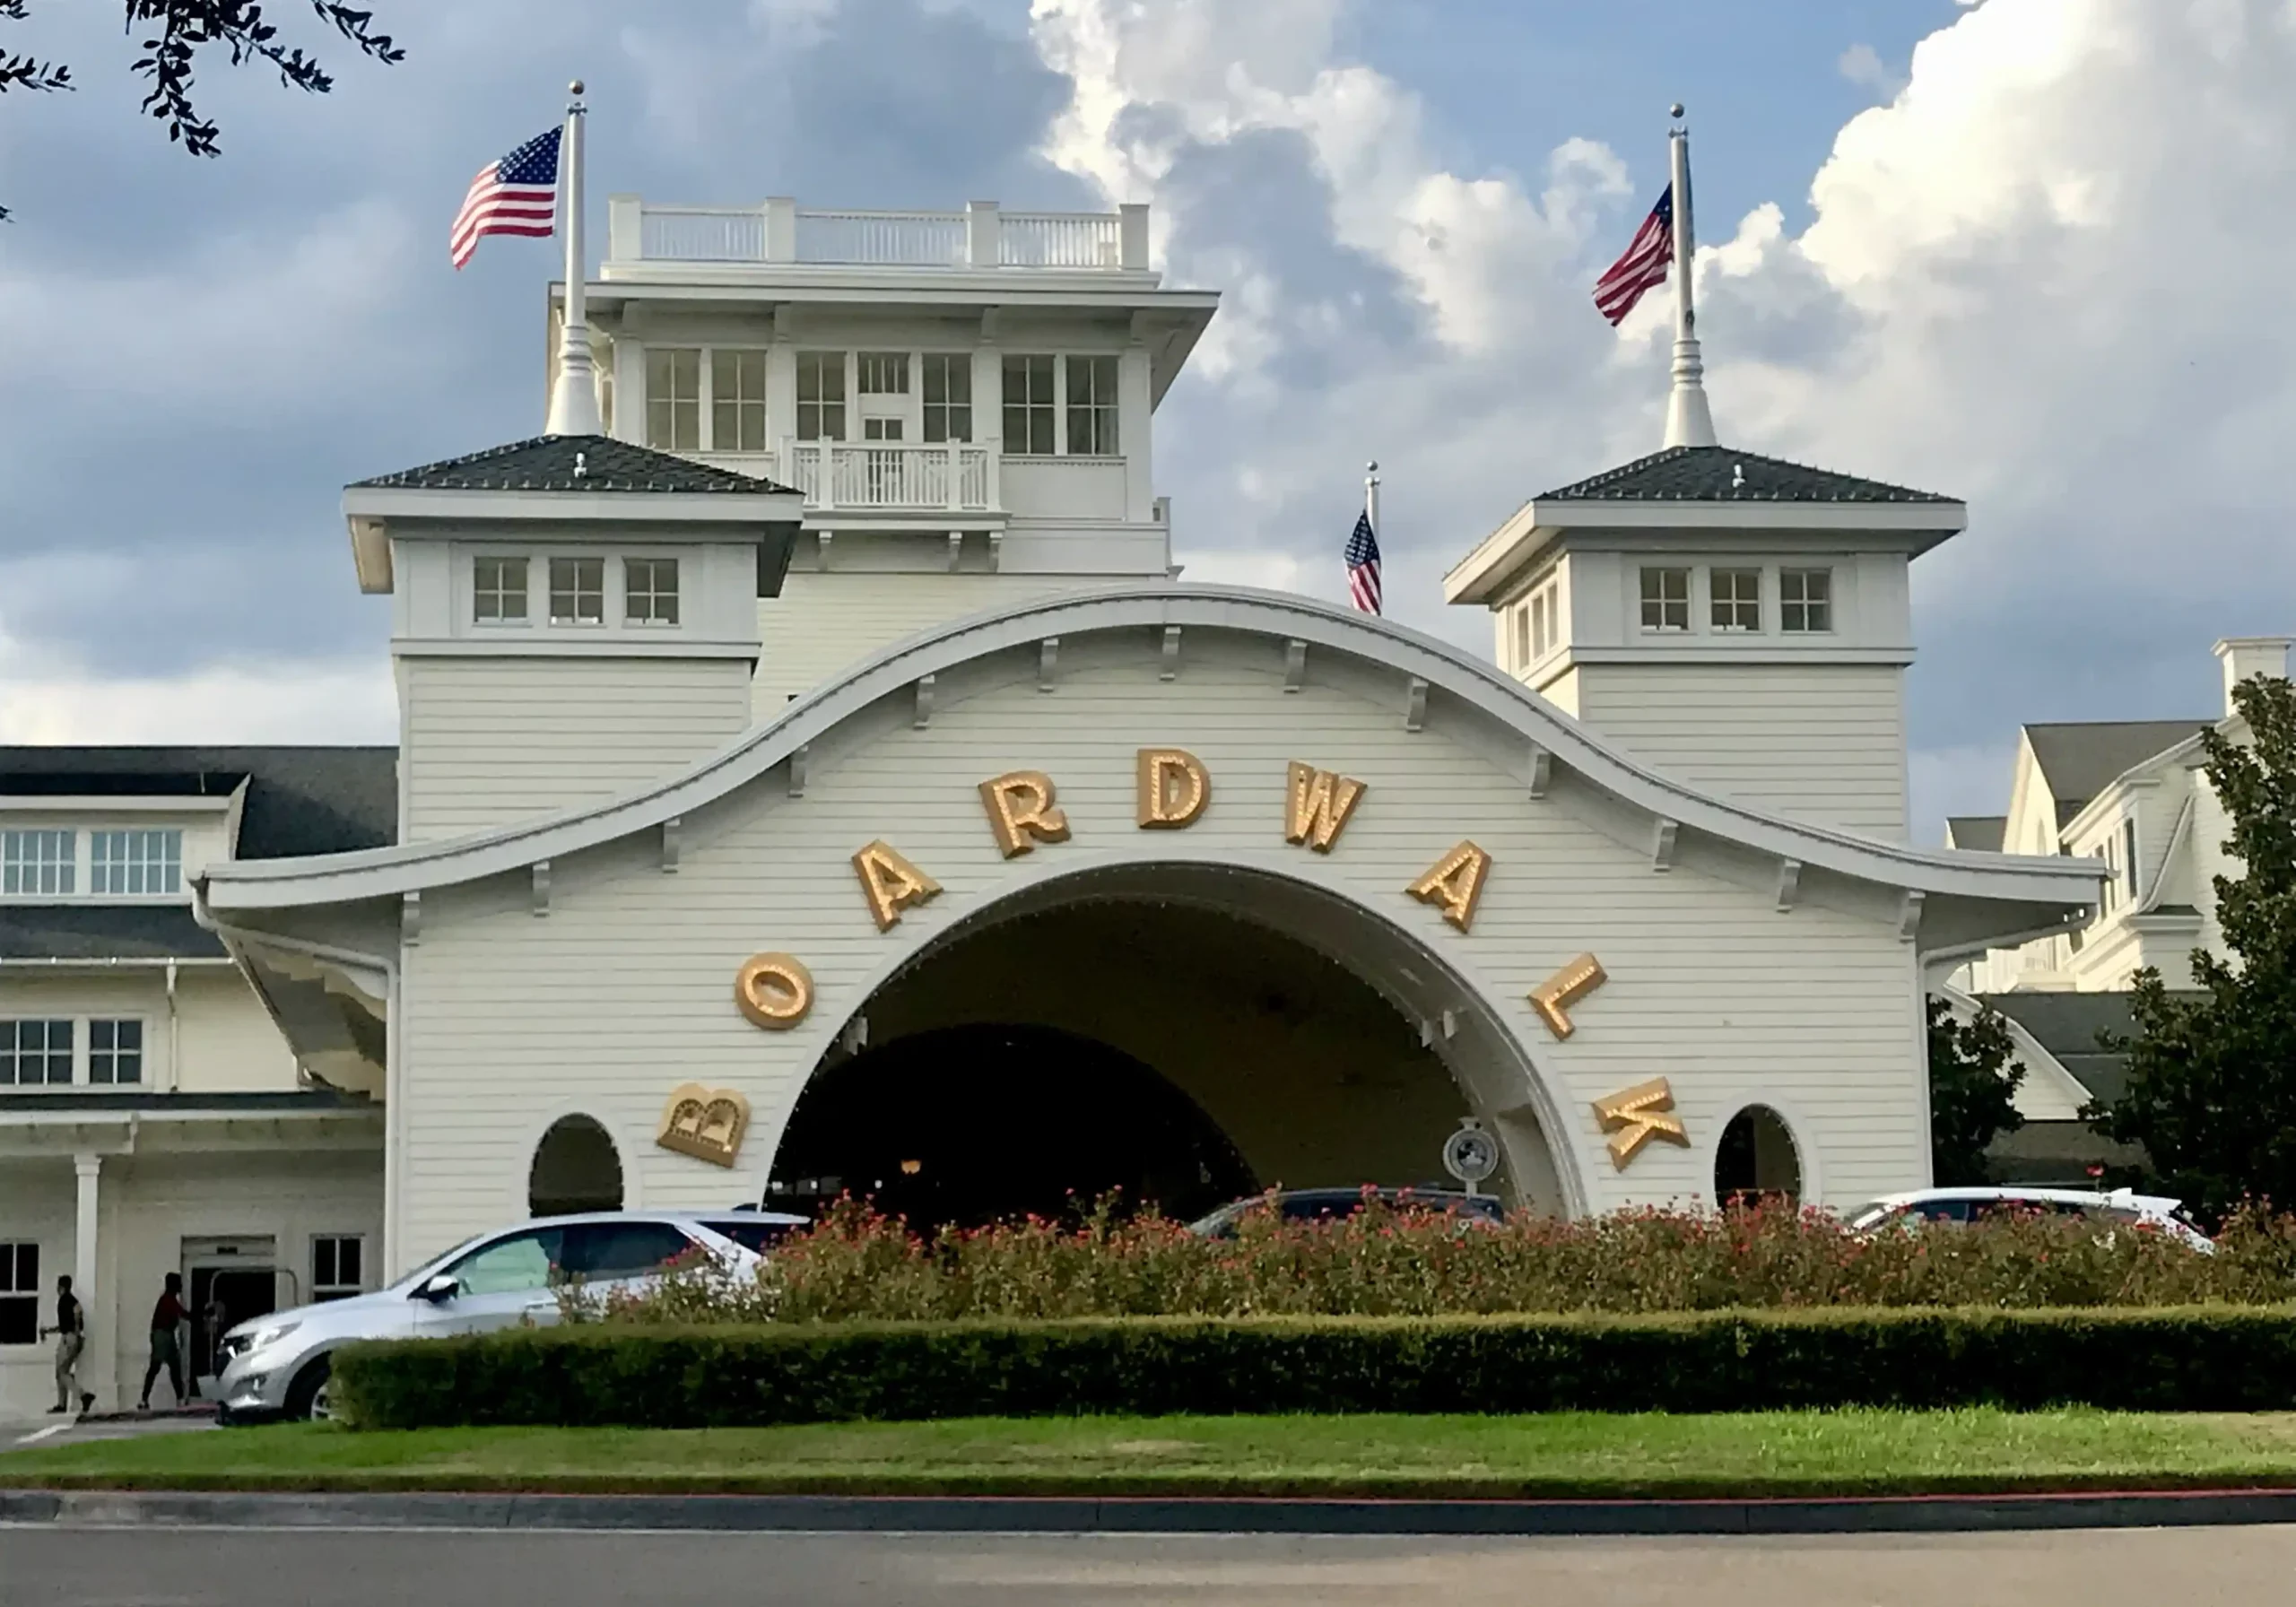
{"x": 2121, "y": 1206}
{"x": 278, "y": 1364}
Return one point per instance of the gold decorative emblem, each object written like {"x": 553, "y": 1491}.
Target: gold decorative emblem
{"x": 1455, "y": 884}
{"x": 775, "y": 991}
{"x": 890, "y": 882}
{"x": 1635, "y": 1115}
{"x": 1173, "y": 788}
{"x": 1021, "y": 813}
{"x": 1553, "y": 997}
{"x": 1316, "y": 804}
{"x": 705, "y": 1123}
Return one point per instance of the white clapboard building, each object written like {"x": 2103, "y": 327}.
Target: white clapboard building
{"x": 812, "y": 777}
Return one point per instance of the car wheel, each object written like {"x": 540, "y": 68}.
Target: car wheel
{"x": 308, "y": 1397}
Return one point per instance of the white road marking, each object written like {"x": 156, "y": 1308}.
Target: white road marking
{"x": 41, "y": 1434}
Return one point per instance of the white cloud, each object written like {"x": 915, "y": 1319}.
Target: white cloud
{"x": 1862, "y": 64}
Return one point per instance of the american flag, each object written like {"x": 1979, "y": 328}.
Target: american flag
{"x": 1363, "y": 565}
{"x": 1644, "y": 266}
{"x": 517, "y": 194}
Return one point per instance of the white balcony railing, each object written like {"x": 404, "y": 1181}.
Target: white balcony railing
{"x": 982, "y": 236}
{"x": 895, "y": 476}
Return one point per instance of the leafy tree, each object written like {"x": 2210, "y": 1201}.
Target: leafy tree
{"x": 1974, "y": 1075}
{"x": 2212, "y": 1075}
{"x": 182, "y": 29}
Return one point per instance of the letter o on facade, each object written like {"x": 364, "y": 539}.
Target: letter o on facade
{"x": 774, "y": 991}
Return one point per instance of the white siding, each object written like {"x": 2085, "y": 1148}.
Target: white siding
{"x": 223, "y": 1038}
{"x": 227, "y": 1040}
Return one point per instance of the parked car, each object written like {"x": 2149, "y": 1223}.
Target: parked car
{"x": 1334, "y": 1204}
{"x": 279, "y": 1364}
{"x": 2121, "y": 1207}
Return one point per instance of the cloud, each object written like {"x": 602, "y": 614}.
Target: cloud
{"x": 1861, "y": 63}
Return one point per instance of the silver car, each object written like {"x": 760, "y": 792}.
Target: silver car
{"x": 279, "y": 1364}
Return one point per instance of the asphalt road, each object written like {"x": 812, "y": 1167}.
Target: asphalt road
{"x": 98, "y": 1568}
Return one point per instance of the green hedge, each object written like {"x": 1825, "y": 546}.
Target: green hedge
{"x": 2212, "y": 1358}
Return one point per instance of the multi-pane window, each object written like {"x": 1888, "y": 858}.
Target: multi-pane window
{"x": 34, "y": 1054}
{"x": 1091, "y": 406}
{"x": 1805, "y": 600}
{"x": 674, "y": 398}
{"x": 948, "y": 396}
{"x": 147, "y": 864}
{"x": 1028, "y": 407}
{"x": 37, "y": 863}
{"x": 19, "y": 1293}
{"x": 882, "y": 373}
{"x": 2128, "y": 855}
{"x": 578, "y": 591}
{"x": 882, "y": 429}
{"x": 1666, "y": 599}
{"x": 499, "y": 590}
{"x": 650, "y": 594}
{"x": 1736, "y": 599}
{"x": 336, "y": 1265}
{"x": 1546, "y": 631}
{"x": 1522, "y": 635}
{"x": 737, "y": 401}
{"x": 820, "y": 396}
{"x": 115, "y": 1051}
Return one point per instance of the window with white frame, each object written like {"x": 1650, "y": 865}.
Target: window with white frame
{"x": 38, "y": 864}
{"x": 736, "y": 401}
{"x": 820, "y": 396}
{"x": 338, "y": 1265}
{"x": 2108, "y": 893}
{"x": 1666, "y": 599}
{"x": 578, "y": 591}
{"x": 883, "y": 374}
{"x": 498, "y": 591}
{"x": 948, "y": 395}
{"x": 116, "y": 1052}
{"x": 1030, "y": 412}
{"x": 1805, "y": 601}
{"x": 19, "y": 1292}
{"x": 2128, "y": 856}
{"x": 1091, "y": 406}
{"x": 34, "y": 1054}
{"x": 1520, "y": 620}
{"x": 1734, "y": 597}
{"x": 674, "y": 398}
{"x": 1546, "y": 623}
{"x": 649, "y": 591}
{"x": 137, "y": 865}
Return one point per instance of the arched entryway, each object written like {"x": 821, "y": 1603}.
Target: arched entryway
{"x": 574, "y": 1169}
{"x": 1756, "y": 1158}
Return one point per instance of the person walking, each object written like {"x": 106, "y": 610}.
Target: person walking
{"x": 217, "y": 1318}
{"x": 71, "y": 1333}
{"x": 167, "y": 1319}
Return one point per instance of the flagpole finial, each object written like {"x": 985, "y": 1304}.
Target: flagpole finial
{"x": 1674, "y": 111}
{"x": 575, "y": 89}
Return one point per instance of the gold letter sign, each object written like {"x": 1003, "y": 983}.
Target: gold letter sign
{"x": 1173, "y": 787}
{"x": 775, "y": 991}
{"x": 1635, "y": 1115}
{"x": 1021, "y": 812}
{"x": 705, "y": 1123}
{"x": 1316, "y": 804}
{"x": 890, "y": 882}
{"x": 1455, "y": 884}
{"x": 1565, "y": 989}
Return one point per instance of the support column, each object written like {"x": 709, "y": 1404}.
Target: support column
{"x": 98, "y": 1360}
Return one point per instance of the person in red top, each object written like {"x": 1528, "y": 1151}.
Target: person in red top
{"x": 167, "y": 1319}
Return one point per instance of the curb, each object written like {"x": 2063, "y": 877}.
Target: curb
{"x": 1055, "y": 1515}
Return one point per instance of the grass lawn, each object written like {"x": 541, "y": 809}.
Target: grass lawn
{"x": 1565, "y": 1454}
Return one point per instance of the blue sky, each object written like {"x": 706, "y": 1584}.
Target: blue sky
{"x": 1947, "y": 244}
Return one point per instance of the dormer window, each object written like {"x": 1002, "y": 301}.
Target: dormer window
{"x": 498, "y": 591}
{"x": 38, "y": 864}
{"x": 649, "y": 594}
{"x": 578, "y": 591}
{"x": 1666, "y": 599}
{"x": 1736, "y": 600}
{"x": 1805, "y": 601}
{"x": 136, "y": 864}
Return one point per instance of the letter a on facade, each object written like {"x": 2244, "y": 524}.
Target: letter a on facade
{"x": 890, "y": 882}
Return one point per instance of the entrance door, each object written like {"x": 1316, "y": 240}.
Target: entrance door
{"x": 227, "y": 1280}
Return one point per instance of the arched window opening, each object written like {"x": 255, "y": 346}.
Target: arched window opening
{"x": 574, "y": 1169}
{"x": 1757, "y": 1160}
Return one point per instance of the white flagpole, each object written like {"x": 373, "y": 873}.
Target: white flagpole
{"x": 1371, "y": 494}
{"x": 574, "y": 399}
{"x": 1689, "y": 422}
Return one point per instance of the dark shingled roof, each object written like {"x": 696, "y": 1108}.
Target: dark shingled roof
{"x": 98, "y": 1101}
{"x": 300, "y": 800}
{"x": 1982, "y": 832}
{"x": 104, "y": 931}
{"x": 1725, "y": 474}
{"x": 550, "y": 462}
{"x": 2080, "y": 758}
{"x": 2067, "y": 1025}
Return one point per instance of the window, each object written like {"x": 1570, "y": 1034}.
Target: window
{"x": 512, "y": 1265}
{"x": 1522, "y": 637}
{"x": 136, "y": 863}
{"x": 881, "y": 429}
{"x": 578, "y": 591}
{"x": 1091, "y": 406}
{"x": 336, "y": 1265}
{"x": 649, "y": 591}
{"x": 752, "y": 1233}
{"x": 34, "y": 1054}
{"x": 1666, "y": 599}
{"x": 737, "y": 401}
{"x": 948, "y": 396}
{"x": 38, "y": 863}
{"x": 2128, "y": 856}
{"x": 1805, "y": 600}
{"x": 622, "y": 1249}
{"x": 1736, "y": 599}
{"x": 18, "y": 1294}
{"x": 1547, "y": 628}
{"x": 1029, "y": 405}
{"x": 115, "y": 1051}
{"x": 820, "y": 396}
{"x": 674, "y": 398}
{"x": 884, "y": 373}
{"x": 498, "y": 591}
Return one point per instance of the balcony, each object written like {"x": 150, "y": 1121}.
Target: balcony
{"x": 925, "y": 478}
{"x": 983, "y": 237}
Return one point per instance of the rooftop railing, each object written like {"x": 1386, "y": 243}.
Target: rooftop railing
{"x": 982, "y": 236}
